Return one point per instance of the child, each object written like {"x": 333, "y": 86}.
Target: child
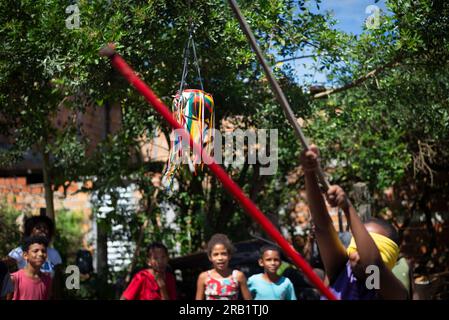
{"x": 44, "y": 227}
{"x": 154, "y": 283}
{"x": 373, "y": 244}
{"x": 269, "y": 285}
{"x": 221, "y": 283}
{"x": 30, "y": 283}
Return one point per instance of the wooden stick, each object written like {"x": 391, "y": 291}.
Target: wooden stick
{"x": 276, "y": 88}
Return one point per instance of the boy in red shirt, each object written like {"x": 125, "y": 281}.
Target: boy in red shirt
{"x": 154, "y": 283}
{"x": 30, "y": 283}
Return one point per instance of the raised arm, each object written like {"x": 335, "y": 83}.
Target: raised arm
{"x": 333, "y": 253}
{"x": 390, "y": 286}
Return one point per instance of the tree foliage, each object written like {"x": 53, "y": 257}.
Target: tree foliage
{"x": 388, "y": 126}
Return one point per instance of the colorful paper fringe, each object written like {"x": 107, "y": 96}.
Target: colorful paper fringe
{"x": 194, "y": 109}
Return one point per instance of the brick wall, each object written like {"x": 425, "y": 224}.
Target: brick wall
{"x": 31, "y": 197}
{"x": 91, "y": 123}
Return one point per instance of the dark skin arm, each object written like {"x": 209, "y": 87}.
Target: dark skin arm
{"x": 200, "y": 284}
{"x": 333, "y": 253}
{"x": 160, "y": 279}
{"x": 390, "y": 286}
{"x": 244, "y": 286}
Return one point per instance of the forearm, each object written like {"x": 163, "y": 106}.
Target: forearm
{"x": 164, "y": 293}
{"x": 316, "y": 202}
{"x": 368, "y": 252}
{"x": 318, "y": 210}
{"x": 333, "y": 253}
{"x": 200, "y": 288}
{"x": 199, "y": 295}
{"x": 390, "y": 286}
{"x": 246, "y": 294}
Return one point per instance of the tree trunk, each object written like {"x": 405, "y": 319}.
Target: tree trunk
{"x": 257, "y": 182}
{"x": 102, "y": 232}
{"x": 228, "y": 204}
{"x": 50, "y": 209}
{"x": 102, "y": 250}
{"x": 227, "y": 208}
{"x": 150, "y": 207}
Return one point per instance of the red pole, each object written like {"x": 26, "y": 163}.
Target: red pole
{"x": 121, "y": 65}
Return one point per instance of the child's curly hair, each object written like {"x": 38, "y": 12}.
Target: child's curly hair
{"x": 222, "y": 239}
{"x": 28, "y": 241}
{"x": 31, "y": 222}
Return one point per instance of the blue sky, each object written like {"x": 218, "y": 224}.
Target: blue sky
{"x": 351, "y": 16}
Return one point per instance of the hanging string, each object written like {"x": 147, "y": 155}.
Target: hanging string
{"x": 190, "y": 45}
{"x": 197, "y": 64}
{"x": 185, "y": 68}
{"x": 194, "y": 110}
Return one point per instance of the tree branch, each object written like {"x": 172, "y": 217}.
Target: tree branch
{"x": 360, "y": 80}
{"x": 296, "y": 58}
